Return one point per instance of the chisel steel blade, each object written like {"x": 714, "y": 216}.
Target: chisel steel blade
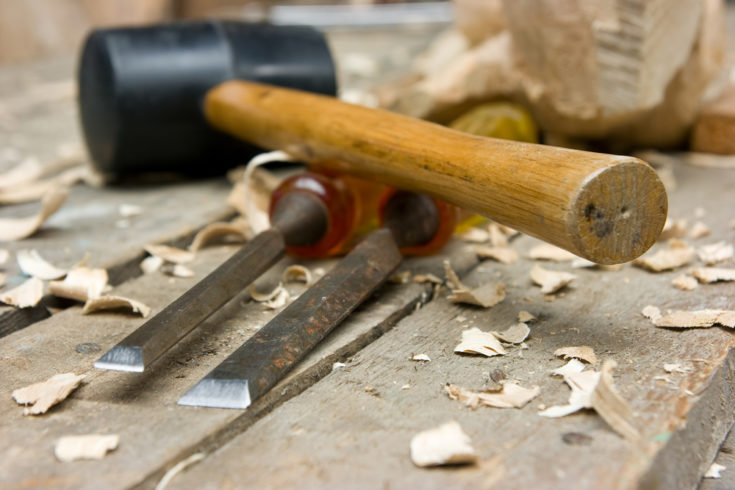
{"x": 266, "y": 357}
{"x": 157, "y": 335}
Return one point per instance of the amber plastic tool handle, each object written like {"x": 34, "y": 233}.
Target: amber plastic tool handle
{"x": 605, "y": 208}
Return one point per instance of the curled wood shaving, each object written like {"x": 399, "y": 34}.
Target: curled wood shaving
{"x": 45, "y": 394}
{"x": 717, "y": 252}
{"x": 651, "y": 312}
{"x": 33, "y": 191}
{"x": 582, "y": 352}
{"x": 684, "y": 282}
{"x": 81, "y": 284}
{"x": 475, "y": 235}
{"x": 613, "y": 409}
{"x": 28, "y": 170}
{"x": 274, "y": 299}
{"x": 515, "y": 334}
{"x": 26, "y": 295}
{"x": 714, "y": 471}
{"x": 297, "y": 273}
{"x": 500, "y": 234}
{"x": 421, "y": 358}
{"x": 512, "y": 395}
{"x": 444, "y": 445}
{"x": 89, "y": 446}
{"x": 19, "y": 228}
{"x": 526, "y": 317}
{"x": 215, "y": 230}
{"x": 696, "y": 319}
{"x": 677, "y": 255}
{"x": 475, "y": 341}
{"x": 178, "y": 468}
{"x": 504, "y": 255}
{"x": 32, "y": 264}
{"x": 487, "y": 295}
{"x": 255, "y": 210}
{"x": 546, "y": 251}
{"x": 699, "y": 230}
{"x": 708, "y": 275}
{"x": 550, "y": 281}
{"x": 673, "y": 229}
{"x": 169, "y": 254}
{"x": 113, "y": 303}
{"x": 151, "y": 264}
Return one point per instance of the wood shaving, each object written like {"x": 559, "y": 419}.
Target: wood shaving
{"x": 255, "y": 209}
{"x": 113, "y": 303}
{"x": 514, "y": 334}
{"x": 651, "y": 312}
{"x": 526, "y": 317}
{"x": 696, "y": 319}
{"x": 238, "y": 228}
{"x": 684, "y": 282}
{"x": 81, "y": 284}
{"x": 475, "y": 341}
{"x": 19, "y": 228}
{"x": 169, "y": 254}
{"x": 28, "y": 170}
{"x": 550, "y": 281}
{"x": 260, "y": 296}
{"x": 475, "y": 235}
{"x": 33, "y": 191}
{"x": 443, "y": 445}
{"x": 402, "y": 277}
{"x": 582, "y": 384}
{"x": 297, "y": 273}
{"x": 699, "y": 230}
{"x": 430, "y": 278}
{"x": 89, "y": 446}
{"x": 708, "y": 275}
{"x": 512, "y": 395}
{"x": 4, "y": 255}
{"x": 32, "y": 264}
{"x": 546, "y": 251}
{"x": 151, "y": 264}
{"x": 487, "y": 295}
{"x": 504, "y": 255}
{"x": 613, "y": 409}
{"x": 178, "y": 468}
{"x": 26, "y": 295}
{"x": 177, "y": 270}
{"x": 421, "y": 358}
{"x": 42, "y": 396}
{"x": 582, "y": 352}
{"x": 714, "y": 471}
{"x": 673, "y": 229}
{"x": 676, "y": 255}
{"x": 129, "y": 210}
{"x": 499, "y": 234}
{"x": 571, "y": 367}
{"x": 676, "y": 368}
{"x": 272, "y": 300}
{"x": 715, "y": 253}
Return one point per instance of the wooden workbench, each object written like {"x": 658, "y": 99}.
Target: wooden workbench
{"x": 326, "y": 427}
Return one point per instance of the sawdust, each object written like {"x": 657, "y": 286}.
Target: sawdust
{"x": 550, "y": 281}
{"x": 613, "y": 409}
{"x": 514, "y": 334}
{"x": 714, "y": 471}
{"x": 42, "y": 396}
{"x": 238, "y": 229}
{"x": 699, "y": 230}
{"x": 676, "y": 255}
{"x": 546, "y": 251}
{"x": 18, "y": 228}
{"x": 113, "y": 303}
{"x": 444, "y": 445}
{"x": 89, "y": 446}
{"x": 707, "y": 275}
{"x": 696, "y": 319}
{"x": 512, "y": 395}
{"x": 487, "y": 295}
{"x": 421, "y": 358}
{"x": 684, "y": 282}
{"x": 582, "y": 352}
{"x": 715, "y": 253}
{"x": 32, "y": 264}
{"x": 169, "y": 254}
{"x": 504, "y": 255}
{"x": 673, "y": 229}
{"x": 26, "y": 295}
{"x": 81, "y": 284}
{"x": 475, "y": 341}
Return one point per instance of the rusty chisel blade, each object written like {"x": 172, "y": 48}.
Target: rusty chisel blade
{"x": 157, "y": 335}
{"x": 266, "y": 357}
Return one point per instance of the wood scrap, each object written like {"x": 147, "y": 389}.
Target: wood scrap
{"x": 88, "y": 446}
{"x": 512, "y": 395}
{"x": 714, "y": 471}
{"x": 444, "y": 445}
{"x": 421, "y": 358}
{"x": 673, "y": 229}
{"x": 582, "y": 352}
{"x": 169, "y": 254}
{"x": 546, "y": 251}
{"x": 487, "y": 295}
{"x": 475, "y": 341}
{"x": 550, "y": 281}
{"x": 715, "y": 253}
{"x": 18, "y": 228}
{"x": 685, "y": 282}
{"x": 113, "y": 303}
{"x": 81, "y": 284}
{"x": 707, "y": 275}
{"x": 613, "y": 409}
{"x": 237, "y": 228}
{"x": 26, "y": 295}
{"x": 42, "y": 396}
{"x": 504, "y": 255}
{"x": 696, "y": 319}
{"x": 32, "y": 264}
{"x": 515, "y": 334}
{"x": 676, "y": 255}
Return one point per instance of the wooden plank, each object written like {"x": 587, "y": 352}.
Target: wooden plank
{"x": 714, "y": 129}
{"x": 154, "y": 431}
{"x": 726, "y": 458}
{"x": 337, "y": 434}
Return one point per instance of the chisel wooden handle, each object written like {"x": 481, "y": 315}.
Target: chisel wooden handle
{"x": 605, "y": 208}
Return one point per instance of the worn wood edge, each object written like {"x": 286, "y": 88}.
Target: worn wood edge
{"x": 687, "y": 455}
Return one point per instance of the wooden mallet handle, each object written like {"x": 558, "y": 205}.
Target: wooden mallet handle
{"x": 606, "y": 208}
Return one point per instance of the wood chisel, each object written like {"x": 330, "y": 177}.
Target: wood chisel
{"x": 410, "y": 222}
{"x": 311, "y": 214}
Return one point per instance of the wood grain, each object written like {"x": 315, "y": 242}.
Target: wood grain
{"x": 608, "y": 209}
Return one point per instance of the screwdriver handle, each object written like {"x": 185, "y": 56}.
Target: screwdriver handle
{"x": 606, "y": 208}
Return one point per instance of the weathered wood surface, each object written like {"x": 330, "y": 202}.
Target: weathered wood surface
{"x": 338, "y": 435}
{"x": 726, "y": 458}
